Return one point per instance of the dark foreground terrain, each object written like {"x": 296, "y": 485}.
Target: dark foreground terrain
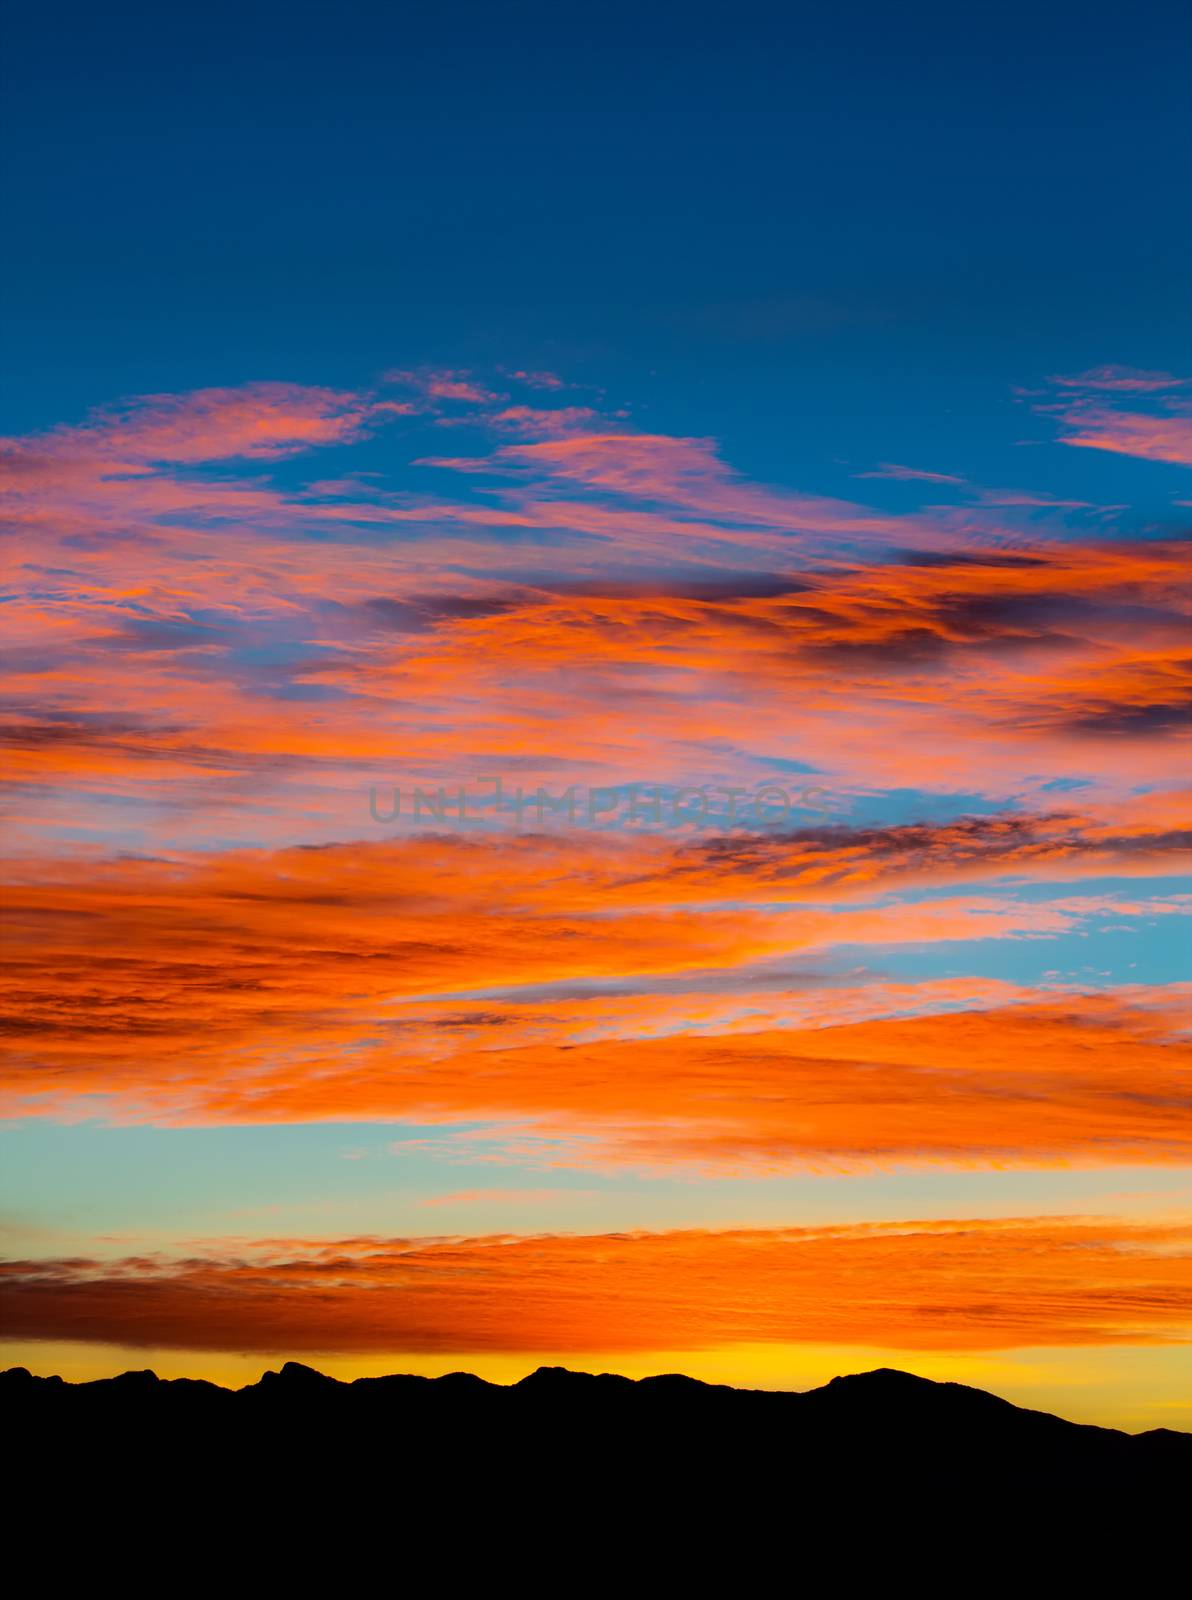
{"x": 566, "y": 1484}
{"x": 861, "y": 1433}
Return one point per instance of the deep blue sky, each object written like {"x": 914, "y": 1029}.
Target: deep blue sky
{"x": 813, "y": 230}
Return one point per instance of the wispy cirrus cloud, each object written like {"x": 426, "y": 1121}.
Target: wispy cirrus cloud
{"x": 891, "y": 469}
{"x": 1165, "y": 437}
{"x": 257, "y": 421}
{"x": 1090, "y": 409}
{"x": 286, "y": 670}
{"x": 1121, "y": 380}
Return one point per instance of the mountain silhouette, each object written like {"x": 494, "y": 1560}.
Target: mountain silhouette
{"x": 567, "y": 1480}
{"x": 861, "y": 1427}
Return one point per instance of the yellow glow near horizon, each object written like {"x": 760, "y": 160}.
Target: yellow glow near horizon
{"x": 1133, "y": 1387}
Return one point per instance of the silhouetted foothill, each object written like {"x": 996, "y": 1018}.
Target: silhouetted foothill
{"x": 670, "y": 1425}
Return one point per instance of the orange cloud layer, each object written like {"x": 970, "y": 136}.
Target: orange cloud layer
{"x": 1089, "y": 1080}
{"x": 451, "y": 980}
{"x": 916, "y": 1285}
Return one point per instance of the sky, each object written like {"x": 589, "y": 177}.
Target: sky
{"x": 597, "y": 683}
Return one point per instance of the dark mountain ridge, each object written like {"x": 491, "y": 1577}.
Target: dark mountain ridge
{"x": 567, "y": 1471}
{"x": 850, "y": 1411}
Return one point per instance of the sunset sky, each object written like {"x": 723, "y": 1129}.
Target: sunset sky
{"x": 597, "y": 685}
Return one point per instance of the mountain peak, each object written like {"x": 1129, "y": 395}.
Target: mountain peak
{"x": 294, "y": 1373}
{"x": 885, "y": 1377}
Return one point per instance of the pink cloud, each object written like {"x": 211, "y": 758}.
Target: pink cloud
{"x": 538, "y": 380}
{"x": 1092, "y": 421}
{"x": 455, "y": 386}
{"x": 1153, "y": 438}
{"x": 534, "y": 421}
{"x": 459, "y": 389}
{"x": 890, "y": 469}
{"x": 1121, "y": 380}
{"x": 260, "y": 420}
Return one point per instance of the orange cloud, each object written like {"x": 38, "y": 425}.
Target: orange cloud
{"x": 1092, "y": 1080}
{"x": 965, "y": 1285}
{"x": 896, "y": 677}
{"x": 460, "y": 980}
{"x": 891, "y": 676}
